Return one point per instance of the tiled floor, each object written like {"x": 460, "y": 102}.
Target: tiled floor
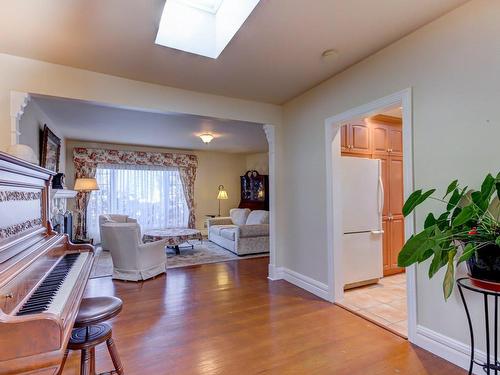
{"x": 384, "y": 303}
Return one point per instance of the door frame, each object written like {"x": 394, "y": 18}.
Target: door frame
{"x": 334, "y": 198}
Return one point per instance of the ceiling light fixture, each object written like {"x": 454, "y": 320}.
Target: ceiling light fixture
{"x": 206, "y": 138}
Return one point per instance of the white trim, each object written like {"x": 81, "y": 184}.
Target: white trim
{"x": 305, "y": 282}
{"x": 334, "y": 199}
{"x": 18, "y": 103}
{"x": 450, "y": 349}
{"x": 271, "y": 139}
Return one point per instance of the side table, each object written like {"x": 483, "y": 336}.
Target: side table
{"x": 465, "y": 283}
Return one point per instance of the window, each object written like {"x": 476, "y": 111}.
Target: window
{"x": 152, "y": 195}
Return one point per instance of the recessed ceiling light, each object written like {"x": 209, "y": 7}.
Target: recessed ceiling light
{"x": 206, "y": 138}
{"x": 202, "y": 27}
{"x": 329, "y": 53}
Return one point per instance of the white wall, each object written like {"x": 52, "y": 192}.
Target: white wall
{"x": 214, "y": 169}
{"x": 258, "y": 162}
{"x": 453, "y": 66}
{"x": 31, "y": 126}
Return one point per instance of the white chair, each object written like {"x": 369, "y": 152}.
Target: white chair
{"x": 113, "y": 218}
{"x": 132, "y": 259}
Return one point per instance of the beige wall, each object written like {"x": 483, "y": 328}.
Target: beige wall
{"x": 214, "y": 169}
{"x": 32, "y": 76}
{"x": 258, "y": 162}
{"x": 30, "y": 125}
{"x": 453, "y": 66}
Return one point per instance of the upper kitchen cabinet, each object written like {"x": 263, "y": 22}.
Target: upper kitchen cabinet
{"x": 356, "y": 138}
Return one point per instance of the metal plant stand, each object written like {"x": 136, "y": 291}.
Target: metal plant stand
{"x": 489, "y": 367}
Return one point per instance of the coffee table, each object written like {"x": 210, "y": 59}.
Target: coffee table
{"x": 173, "y": 236}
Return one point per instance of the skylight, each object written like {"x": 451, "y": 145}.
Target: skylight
{"x": 211, "y": 6}
{"x": 202, "y": 27}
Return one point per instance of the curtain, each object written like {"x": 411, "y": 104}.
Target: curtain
{"x": 87, "y": 159}
{"x": 188, "y": 175}
{"x": 152, "y": 195}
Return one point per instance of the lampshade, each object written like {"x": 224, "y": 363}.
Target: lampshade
{"x": 222, "y": 193}
{"x": 86, "y": 184}
{"x": 23, "y": 152}
{"x": 206, "y": 138}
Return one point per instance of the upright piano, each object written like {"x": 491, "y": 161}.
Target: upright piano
{"x": 42, "y": 274}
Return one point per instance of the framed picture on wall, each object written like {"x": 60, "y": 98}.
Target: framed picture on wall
{"x": 51, "y": 150}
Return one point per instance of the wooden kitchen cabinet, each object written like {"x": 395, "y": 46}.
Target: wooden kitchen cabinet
{"x": 395, "y": 184}
{"x": 356, "y": 139}
{"x": 397, "y": 240}
{"x": 380, "y": 138}
{"x": 395, "y": 140}
{"x": 344, "y": 138}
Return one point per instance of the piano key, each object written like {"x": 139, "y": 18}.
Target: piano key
{"x": 52, "y": 286}
{"x": 58, "y": 303}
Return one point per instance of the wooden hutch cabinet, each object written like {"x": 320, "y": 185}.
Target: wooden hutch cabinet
{"x": 254, "y": 191}
{"x": 381, "y": 137}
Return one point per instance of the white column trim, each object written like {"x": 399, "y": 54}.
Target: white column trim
{"x": 18, "y": 103}
{"x": 270, "y": 131}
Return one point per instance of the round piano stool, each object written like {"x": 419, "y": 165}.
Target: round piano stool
{"x": 90, "y": 330}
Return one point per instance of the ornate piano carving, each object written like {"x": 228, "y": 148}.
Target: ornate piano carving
{"x": 42, "y": 274}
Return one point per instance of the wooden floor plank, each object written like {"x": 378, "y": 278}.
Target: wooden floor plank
{"x": 228, "y": 318}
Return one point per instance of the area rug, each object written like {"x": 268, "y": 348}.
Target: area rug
{"x": 203, "y": 252}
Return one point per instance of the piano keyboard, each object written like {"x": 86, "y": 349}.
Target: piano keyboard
{"x": 52, "y": 292}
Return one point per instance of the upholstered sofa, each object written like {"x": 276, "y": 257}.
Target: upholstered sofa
{"x": 113, "y": 218}
{"x": 243, "y": 232}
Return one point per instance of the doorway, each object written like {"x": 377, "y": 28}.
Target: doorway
{"x": 384, "y": 293}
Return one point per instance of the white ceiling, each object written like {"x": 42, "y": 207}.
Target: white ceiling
{"x": 275, "y": 56}
{"x": 98, "y": 123}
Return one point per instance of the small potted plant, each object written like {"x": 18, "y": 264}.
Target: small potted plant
{"x": 468, "y": 230}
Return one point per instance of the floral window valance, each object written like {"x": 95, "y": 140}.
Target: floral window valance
{"x": 91, "y": 156}
{"x": 86, "y": 161}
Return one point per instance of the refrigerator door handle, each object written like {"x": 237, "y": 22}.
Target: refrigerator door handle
{"x": 380, "y": 195}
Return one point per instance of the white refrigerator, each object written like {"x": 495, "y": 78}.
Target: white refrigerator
{"x": 362, "y": 204}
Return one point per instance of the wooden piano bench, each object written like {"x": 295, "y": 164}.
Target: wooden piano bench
{"x": 90, "y": 330}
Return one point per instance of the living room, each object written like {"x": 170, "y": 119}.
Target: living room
{"x": 132, "y": 186}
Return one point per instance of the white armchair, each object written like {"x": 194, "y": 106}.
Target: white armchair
{"x": 132, "y": 259}
{"x": 113, "y": 218}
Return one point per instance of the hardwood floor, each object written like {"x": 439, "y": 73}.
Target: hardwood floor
{"x": 227, "y": 318}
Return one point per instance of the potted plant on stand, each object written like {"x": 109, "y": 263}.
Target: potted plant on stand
{"x": 468, "y": 230}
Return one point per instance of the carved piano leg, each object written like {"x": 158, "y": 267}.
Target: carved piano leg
{"x": 85, "y": 362}
{"x": 61, "y": 368}
{"x": 114, "y": 356}
{"x": 92, "y": 361}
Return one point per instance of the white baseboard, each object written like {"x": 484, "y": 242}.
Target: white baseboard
{"x": 274, "y": 273}
{"x": 305, "y": 282}
{"x": 450, "y": 349}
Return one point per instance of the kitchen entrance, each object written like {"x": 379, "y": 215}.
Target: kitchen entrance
{"x": 373, "y": 227}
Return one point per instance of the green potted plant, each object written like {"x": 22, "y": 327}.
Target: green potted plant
{"x": 468, "y": 230}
